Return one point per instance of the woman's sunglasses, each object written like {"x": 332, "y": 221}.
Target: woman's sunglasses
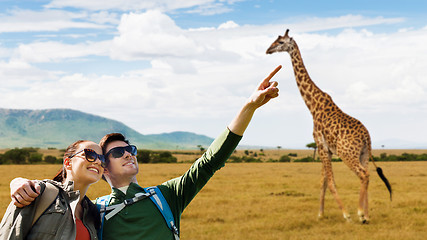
{"x": 91, "y": 156}
{"x": 118, "y": 152}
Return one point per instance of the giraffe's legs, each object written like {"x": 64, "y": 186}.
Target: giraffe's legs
{"x": 363, "y": 202}
{"x": 323, "y": 186}
{"x": 363, "y": 174}
{"x": 325, "y": 156}
{"x": 363, "y": 197}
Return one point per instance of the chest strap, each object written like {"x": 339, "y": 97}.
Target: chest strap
{"x": 118, "y": 207}
{"x": 153, "y": 193}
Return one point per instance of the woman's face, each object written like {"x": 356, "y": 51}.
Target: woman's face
{"x": 82, "y": 171}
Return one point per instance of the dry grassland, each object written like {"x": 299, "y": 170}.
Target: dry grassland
{"x": 264, "y": 155}
{"x": 280, "y": 201}
{"x": 267, "y": 154}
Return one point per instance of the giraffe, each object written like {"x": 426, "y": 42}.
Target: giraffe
{"x": 334, "y": 132}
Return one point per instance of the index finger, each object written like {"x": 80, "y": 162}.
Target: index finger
{"x": 273, "y": 73}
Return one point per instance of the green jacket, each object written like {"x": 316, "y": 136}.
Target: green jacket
{"x": 56, "y": 223}
{"x": 142, "y": 220}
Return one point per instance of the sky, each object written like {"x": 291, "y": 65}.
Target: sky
{"x": 189, "y": 65}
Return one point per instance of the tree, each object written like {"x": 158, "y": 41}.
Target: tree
{"x": 51, "y": 159}
{"x": 314, "y": 146}
{"x": 35, "y": 157}
{"x": 201, "y": 148}
{"x": 163, "y": 157}
{"x": 144, "y": 156}
{"x": 16, "y": 156}
{"x": 284, "y": 158}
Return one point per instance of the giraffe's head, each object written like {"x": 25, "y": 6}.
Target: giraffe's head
{"x": 282, "y": 44}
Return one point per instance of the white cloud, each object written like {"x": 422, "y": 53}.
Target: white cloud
{"x": 15, "y": 75}
{"x": 200, "y": 77}
{"x": 104, "y": 17}
{"x": 228, "y": 25}
{"x": 150, "y": 35}
{"x": 367, "y": 70}
{"x": 40, "y": 52}
{"x": 130, "y": 5}
{"x": 45, "y": 20}
{"x": 5, "y": 52}
{"x": 213, "y": 8}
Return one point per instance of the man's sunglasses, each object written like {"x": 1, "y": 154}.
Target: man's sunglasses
{"x": 118, "y": 152}
{"x": 91, "y": 156}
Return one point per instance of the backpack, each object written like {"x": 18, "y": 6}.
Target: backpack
{"x": 155, "y": 196}
{"x": 13, "y": 221}
{"x": 46, "y": 199}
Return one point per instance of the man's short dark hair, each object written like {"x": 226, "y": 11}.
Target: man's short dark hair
{"x": 111, "y": 138}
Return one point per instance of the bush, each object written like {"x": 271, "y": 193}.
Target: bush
{"x": 16, "y": 156}
{"x": 285, "y": 158}
{"x": 422, "y": 157}
{"x": 306, "y": 159}
{"x": 403, "y": 157}
{"x": 143, "y": 156}
{"x": 147, "y": 156}
{"x": 35, "y": 157}
{"x": 52, "y": 159}
{"x": 164, "y": 157}
{"x": 250, "y": 159}
{"x": 234, "y": 159}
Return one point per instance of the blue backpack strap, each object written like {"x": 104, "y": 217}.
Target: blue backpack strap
{"x": 159, "y": 200}
{"x": 102, "y": 204}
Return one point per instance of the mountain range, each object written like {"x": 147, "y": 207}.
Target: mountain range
{"x": 57, "y": 128}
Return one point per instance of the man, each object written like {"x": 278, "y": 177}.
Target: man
{"x": 142, "y": 219}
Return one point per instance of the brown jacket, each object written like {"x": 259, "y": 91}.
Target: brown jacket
{"x": 56, "y": 223}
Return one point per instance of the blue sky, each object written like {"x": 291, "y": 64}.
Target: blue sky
{"x": 167, "y": 65}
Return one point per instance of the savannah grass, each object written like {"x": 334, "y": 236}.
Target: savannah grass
{"x": 280, "y": 200}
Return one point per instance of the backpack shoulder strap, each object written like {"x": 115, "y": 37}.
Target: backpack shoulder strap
{"x": 46, "y": 199}
{"x": 159, "y": 200}
{"x": 102, "y": 204}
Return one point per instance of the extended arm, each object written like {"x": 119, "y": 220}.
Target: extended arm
{"x": 265, "y": 91}
{"x": 183, "y": 189}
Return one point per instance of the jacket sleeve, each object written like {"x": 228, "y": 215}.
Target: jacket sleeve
{"x": 183, "y": 189}
{"x": 16, "y": 222}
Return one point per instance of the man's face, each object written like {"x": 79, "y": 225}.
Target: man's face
{"x": 123, "y": 168}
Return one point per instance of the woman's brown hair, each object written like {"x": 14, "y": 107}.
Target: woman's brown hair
{"x": 62, "y": 174}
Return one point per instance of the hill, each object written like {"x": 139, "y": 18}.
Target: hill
{"x": 57, "y": 128}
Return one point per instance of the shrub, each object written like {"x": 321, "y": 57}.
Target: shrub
{"x": 284, "y": 158}
{"x": 234, "y": 159}
{"x": 306, "y": 159}
{"x": 143, "y": 156}
{"x": 35, "y": 157}
{"x": 165, "y": 157}
{"x": 52, "y": 159}
{"x": 147, "y": 156}
{"x": 16, "y": 156}
{"x": 250, "y": 159}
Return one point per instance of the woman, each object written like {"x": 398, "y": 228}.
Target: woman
{"x": 71, "y": 215}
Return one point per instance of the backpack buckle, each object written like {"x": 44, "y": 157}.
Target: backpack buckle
{"x": 128, "y": 201}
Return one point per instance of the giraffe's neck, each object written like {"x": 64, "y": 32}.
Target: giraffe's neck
{"x": 309, "y": 91}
